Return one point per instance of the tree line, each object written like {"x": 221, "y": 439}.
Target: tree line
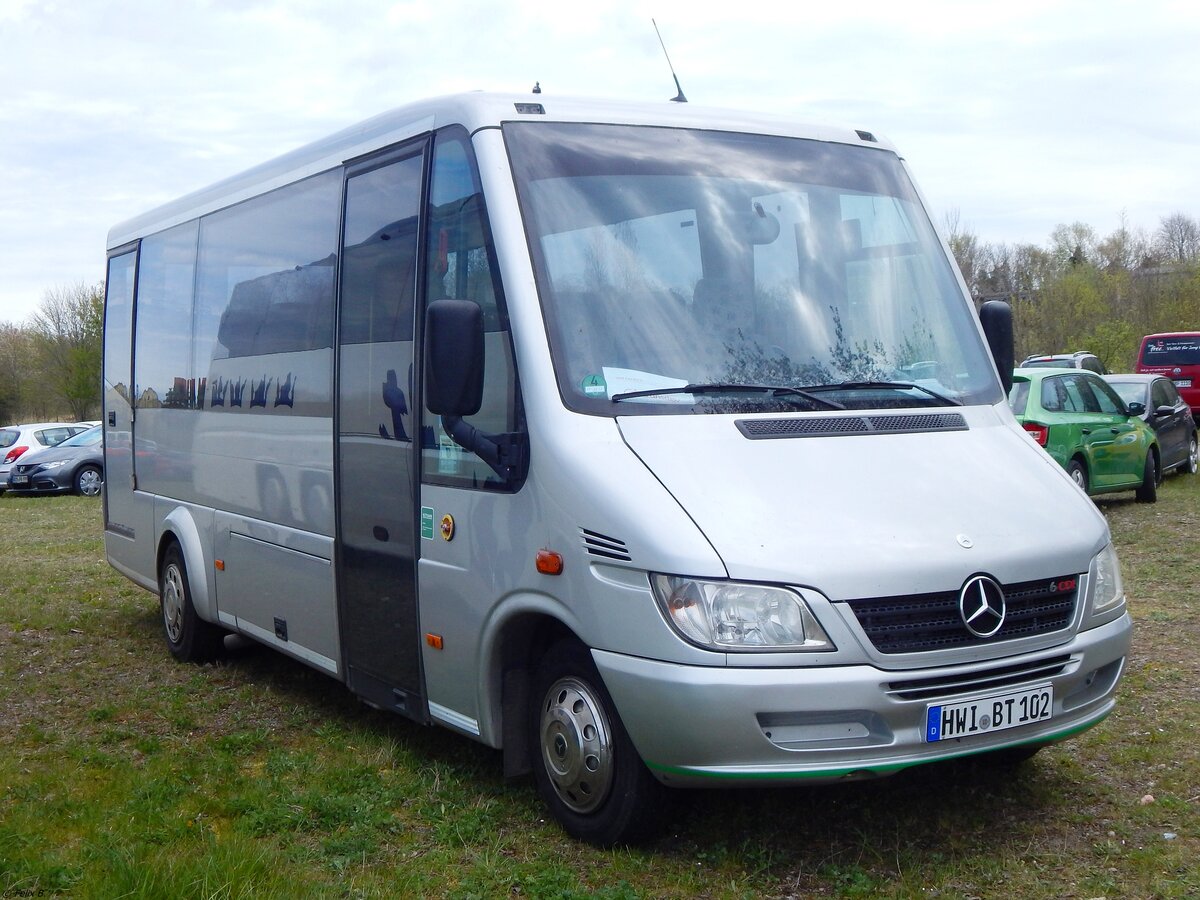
{"x": 1086, "y": 292}
{"x": 50, "y": 367}
{"x": 1080, "y": 291}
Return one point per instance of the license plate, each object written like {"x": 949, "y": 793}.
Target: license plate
{"x": 945, "y": 721}
{"x": 19, "y": 479}
{"x": 1183, "y": 382}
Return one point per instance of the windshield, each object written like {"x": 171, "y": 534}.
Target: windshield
{"x": 669, "y": 259}
{"x": 85, "y": 438}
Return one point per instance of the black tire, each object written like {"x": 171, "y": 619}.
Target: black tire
{"x": 1193, "y": 460}
{"x": 1079, "y": 474}
{"x": 188, "y": 637}
{"x": 89, "y": 481}
{"x": 1148, "y": 492}
{"x": 586, "y": 768}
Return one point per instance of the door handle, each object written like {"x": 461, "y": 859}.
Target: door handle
{"x": 1087, "y": 431}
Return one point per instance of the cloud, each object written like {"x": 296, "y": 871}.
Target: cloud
{"x": 1020, "y": 117}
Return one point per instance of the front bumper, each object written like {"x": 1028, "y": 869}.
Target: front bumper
{"x": 52, "y": 482}
{"x": 702, "y": 726}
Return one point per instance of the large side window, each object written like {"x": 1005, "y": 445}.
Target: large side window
{"x": 264, "y": 299}
{"x": 461, "y": 263}
{"x": 118, "y": 330}
{"x": 164, "y": 374}
{"x": 378, "y": 285}
{"x": 163, "y": 370}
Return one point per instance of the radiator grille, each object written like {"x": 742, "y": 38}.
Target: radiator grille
{"x": 978, "y": 681}
{"x": 921, "y": 622}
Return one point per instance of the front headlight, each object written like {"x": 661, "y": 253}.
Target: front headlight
{"x": 57, "y": 464}
{"x": 1109, "y": 592}
{"x": 727, "y": 615}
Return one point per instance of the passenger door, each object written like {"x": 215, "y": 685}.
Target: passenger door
{"x": 1172, "y": 421}
{"x": 375, "y": 466}
{"x": 1116, "y": 452}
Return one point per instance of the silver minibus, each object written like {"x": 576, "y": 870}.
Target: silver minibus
{"x": 654, "y": 446}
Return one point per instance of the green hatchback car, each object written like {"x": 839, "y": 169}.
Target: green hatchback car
{"x": 1092, "y": 433}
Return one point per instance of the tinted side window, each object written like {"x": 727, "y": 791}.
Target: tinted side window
{"x": 1163, "y": 393}
{"x": 460, "y": 263}
{"x": 1053, "y": 394}
{"x": 1078, "y": 398}
{"x": 163, "y": 373}
{"x": 264, "y": 288}
{"x": 1106, "y": 398}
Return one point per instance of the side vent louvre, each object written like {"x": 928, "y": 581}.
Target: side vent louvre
{"x": 603, "y": 546}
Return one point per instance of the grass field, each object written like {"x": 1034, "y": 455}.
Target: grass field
{"x": 124, "y": 773}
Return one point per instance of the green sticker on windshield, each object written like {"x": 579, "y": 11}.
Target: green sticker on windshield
{"x": 594, "y": 386}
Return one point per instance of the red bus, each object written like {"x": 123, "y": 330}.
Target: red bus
{"x": 1177, "y": 356}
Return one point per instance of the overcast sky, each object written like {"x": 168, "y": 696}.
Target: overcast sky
{"x": 1015, "y": 116}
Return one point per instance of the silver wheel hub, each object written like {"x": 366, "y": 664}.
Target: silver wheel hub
{"x": 172, "y": 603}
{"x": 576, "y": 745}
{"x": 89, "y": 483}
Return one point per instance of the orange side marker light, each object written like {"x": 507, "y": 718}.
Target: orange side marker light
{"x": 549, "y": 562}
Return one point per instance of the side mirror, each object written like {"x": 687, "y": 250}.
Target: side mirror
{"x": 1135, "y": 408}
{"x": 996, "y": 318}
{"x": 453, "y": 357}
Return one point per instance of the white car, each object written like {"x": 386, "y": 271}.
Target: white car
{"x": 16, "y": 440}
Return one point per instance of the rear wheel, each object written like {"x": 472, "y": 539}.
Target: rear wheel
{"x": 1148, "y": 492}
{"x": 189, "y": 638}
{"x": 1078, "y": 472}
{"x": 586, "y": 768}
{"x": 88, "y": 481}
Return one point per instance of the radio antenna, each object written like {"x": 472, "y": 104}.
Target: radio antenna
{"x": 678, "y": 98}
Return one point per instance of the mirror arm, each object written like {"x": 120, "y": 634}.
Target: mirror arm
{"x": 505, "y": 453}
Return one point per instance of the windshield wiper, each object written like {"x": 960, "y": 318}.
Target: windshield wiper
{"x": 775, "y": 391}
{"x": 884, "y": 385}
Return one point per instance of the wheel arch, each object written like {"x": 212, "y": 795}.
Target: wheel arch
{"x": 180, "y": 527}
{"x": 513, "y": 648}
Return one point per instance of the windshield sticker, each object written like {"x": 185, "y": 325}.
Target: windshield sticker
{"x": 449, "y": 455}
{"x": 594, "y": 386}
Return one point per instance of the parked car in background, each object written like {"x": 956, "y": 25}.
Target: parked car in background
{"x": 1080, "y": 359}
{"x": 77, "y": 464}
{"x": 17, "y": 440}
{"x": 1081, "y": 421}
{"x": 1177, "y": 356}
{"x": 1167, "y": 413}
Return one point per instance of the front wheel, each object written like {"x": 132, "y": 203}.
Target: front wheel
{"x": 1193, "y": 460}
{"x": 1148, "y": 492}
{"x": 88, "y": 481}
{"x": 189, "y": 638}
{"x": 586, "y": 768}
